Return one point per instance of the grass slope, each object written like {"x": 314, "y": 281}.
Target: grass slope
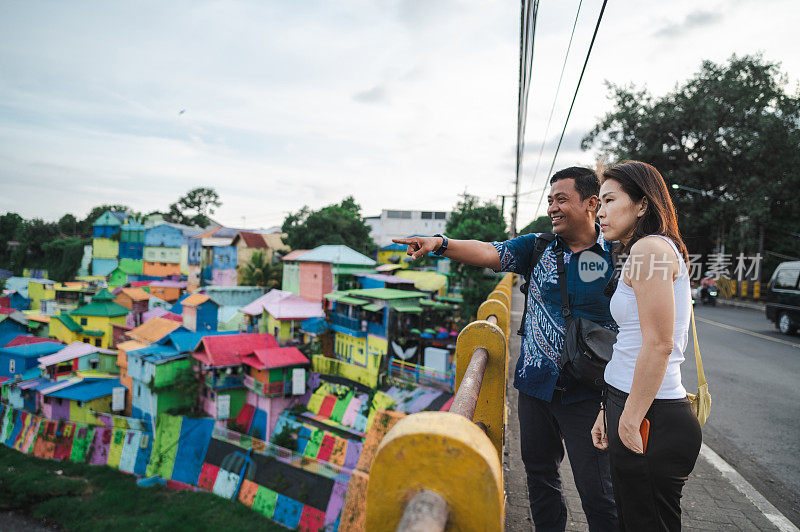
{"x": 98, "y": 498}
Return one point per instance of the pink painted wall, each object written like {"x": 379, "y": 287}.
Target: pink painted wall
{"x": 316, "y": 280}
{"x": 51, "y": 409}
{"x": 190, "y": 318}
{"x": 227, "y": 277}
{"x": 273, "y": 406}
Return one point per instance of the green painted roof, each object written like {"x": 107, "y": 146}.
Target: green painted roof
{"x": 374, "y": 307}
{"x": 68, "y": 322}
{"x": 107, "y": 309}
{"x": 343, "y": 297}
{"x": 130, "y": 266}
{"x": 107, "y": 218}
{"x": 453, "y": 299}
{"x": 103, "y": 295}
{"x": 385, "y": 293}
{"x": 91, "y": 332}
{"x": 406, "y": 306}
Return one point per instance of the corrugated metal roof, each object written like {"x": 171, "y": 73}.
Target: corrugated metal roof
{"x": 229, "y": 350}
{"x": 283, "y": 305}
{"x": 294, "y": 255}
{"x": 195, "y": 300}
{"x": 251, "y": 240}
{"x": 186, "y": 341}
{"x": 135, "y": 293}
{"x": 385, "y": 293}
{"x": 32, "y": 350}
{"x": 26, "y": 339}
{"x": 71, "y": 352}
{"x": 131, "y": 345}
{"x": 276, "y": 357}
{"x": 87, "y": 389}
{"x": 336, "y": 254}
{"x": 153, "y": 330}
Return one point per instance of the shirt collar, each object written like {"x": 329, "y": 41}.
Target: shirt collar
{"x": 600, "y": 243}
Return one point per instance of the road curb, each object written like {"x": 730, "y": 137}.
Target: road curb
{"x": 750, "y": 305}
{"x": 764, "y": 506}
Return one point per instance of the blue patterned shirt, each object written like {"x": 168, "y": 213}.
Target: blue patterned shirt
{"x": 537, "y": 371}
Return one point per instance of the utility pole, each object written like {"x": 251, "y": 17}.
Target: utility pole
{"x": 515, "y": 205}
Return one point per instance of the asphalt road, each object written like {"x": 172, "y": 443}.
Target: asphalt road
{"x": 754, "y": 378}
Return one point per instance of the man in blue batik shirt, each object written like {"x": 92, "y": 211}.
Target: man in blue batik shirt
{"x": 554, "y": 410}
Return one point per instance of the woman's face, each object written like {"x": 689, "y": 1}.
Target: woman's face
{"x": 618, "y": 212}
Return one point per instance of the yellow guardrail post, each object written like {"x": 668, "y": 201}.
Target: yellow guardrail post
{"x": 437, "y": 470}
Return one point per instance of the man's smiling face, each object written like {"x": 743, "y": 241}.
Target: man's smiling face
{"x": 568, "y": 213}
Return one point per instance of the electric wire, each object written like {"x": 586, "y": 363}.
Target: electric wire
{"x": 574, "y": 97}
{"x": 555, "y": 99}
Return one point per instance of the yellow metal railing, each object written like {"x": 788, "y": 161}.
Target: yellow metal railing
{"x": 443, "y": 469}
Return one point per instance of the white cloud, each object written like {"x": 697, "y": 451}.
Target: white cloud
{"x": 401, "y": 103}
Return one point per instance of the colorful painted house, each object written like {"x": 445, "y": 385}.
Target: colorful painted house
{"x": 77, "y": 400}
{"x": 40, "y": 290}
{"x": 324, "y": 269}
{"x": 247, "y": 243}
{"x": 15, "y": 299}
{"x": 105, "y": 248}
{"x": 125, "y": 272}
{"x": 364, "y": 322}
{"x": 91, "y": 323}
{"x": 12, "y": 324}
{"x": 137, "y": 301}
{"x": 221, "y": 368}
{"x": 230, "y": 300}
{"x": 200, "y": 313}
{"x": 162, "y": 251}
{"x": 394, "y": 254}
{"x": 156, "y": 372}
{"x": 16, "y": 360}
{"x": 279, "y": 313}
{"x": 167, "y": 290}
{"x": 275, "y": 377}
{"x": 78, "y": 356}
{"x": 70, "y": 295}
{"x": 131, "y": 241}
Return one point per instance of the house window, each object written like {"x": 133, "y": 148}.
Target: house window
{"x": 440, "y": 215}
{"x": 83, "y": 321}
{"x": 12, "y": 366}
{"x": 426, "y": 215}
{"x": 97, "y": 342}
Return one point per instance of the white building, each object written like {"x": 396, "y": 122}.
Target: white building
{"x": 401, "y": 224}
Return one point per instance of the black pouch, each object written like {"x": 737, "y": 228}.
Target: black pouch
{"x": 587, "y": 345}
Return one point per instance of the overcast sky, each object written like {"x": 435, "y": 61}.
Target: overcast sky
{"x": 404, "y": 104}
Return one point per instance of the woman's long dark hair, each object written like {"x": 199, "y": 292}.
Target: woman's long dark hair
{"x": 641, "y": 180}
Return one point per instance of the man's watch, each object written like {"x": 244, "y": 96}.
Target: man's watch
{"x": 441, "y": 250}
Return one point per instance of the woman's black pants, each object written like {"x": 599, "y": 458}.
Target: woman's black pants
{"x": 647, "y": 487}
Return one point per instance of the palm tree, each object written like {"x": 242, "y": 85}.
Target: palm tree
{"x": 261, "y": 271}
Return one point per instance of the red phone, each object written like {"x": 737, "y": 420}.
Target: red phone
{"x": 644, "y": 430}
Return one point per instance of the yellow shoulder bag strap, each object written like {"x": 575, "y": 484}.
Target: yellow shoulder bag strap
{"x": 700, "y": 403}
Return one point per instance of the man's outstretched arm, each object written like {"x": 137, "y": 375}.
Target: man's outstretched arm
{"x": 473, "y": 252}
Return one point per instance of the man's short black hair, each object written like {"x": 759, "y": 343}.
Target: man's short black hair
{"x": 586, "y": 182}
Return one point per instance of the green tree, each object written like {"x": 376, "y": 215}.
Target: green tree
{"x": 472, "y": 220}
{"x": 335, "y": 224}
{"x": 194, "y": 208}
{"x": 731, "y": 131}
{"x": 260, "y": 271}
{"x": 68, "y": 225}
{"x": 542, "y": 224}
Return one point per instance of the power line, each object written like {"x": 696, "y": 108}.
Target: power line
{"x": 574, "y": 97}
{"x": 528, "y": 15}
{"x": 558, "y": 88}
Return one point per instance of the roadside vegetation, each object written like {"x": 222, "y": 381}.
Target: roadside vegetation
{"x": 75, "y": 496}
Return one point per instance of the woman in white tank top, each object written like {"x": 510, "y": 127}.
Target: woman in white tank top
{"x": 651, "y": 434}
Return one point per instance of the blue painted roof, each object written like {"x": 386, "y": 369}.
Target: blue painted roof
{"x": 32, "y": 350}
{"x": 336, "y": 254}
{"x": 87, "y": 389}
{"x": 185, "y": 342}
{"x": 394, "y": 247}
{"x": 157, "y": 353}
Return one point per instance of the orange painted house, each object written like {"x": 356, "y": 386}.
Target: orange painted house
{"x": 161, "y": 269}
